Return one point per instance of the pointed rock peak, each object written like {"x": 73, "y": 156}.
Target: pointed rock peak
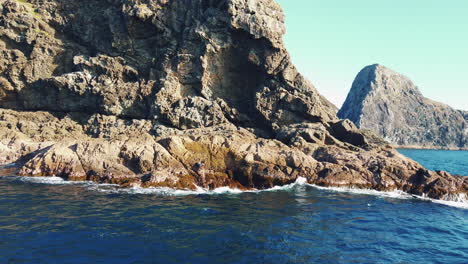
{"x": 372, "y": 67}
{"x": 389, "y": 104}
{"x": 387, "y": 72}
{"x": 375, "y": 71}
{"x": 378, "y": 77}
{"x": 376, "y": 81}
{"x": 378, "y": 68}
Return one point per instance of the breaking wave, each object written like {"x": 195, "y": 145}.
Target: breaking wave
{"x": 460, "y": 201}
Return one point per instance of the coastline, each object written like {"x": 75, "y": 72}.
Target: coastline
{"x": 456, "y": 201}
{"x": 428, "y": 148}
{"x": 219, "y": 105}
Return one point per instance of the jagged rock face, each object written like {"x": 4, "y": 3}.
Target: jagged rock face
{"x": 389, "y": 104}
{"x": 136, "y": 153}
{"x": 464, "y": 113}
{"x": 178, "y": 94}
{"x": 143, "y": 59}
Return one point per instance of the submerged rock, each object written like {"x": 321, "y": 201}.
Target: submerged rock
{"x": 178, "y": 94}
{"x": 389, "y": 104}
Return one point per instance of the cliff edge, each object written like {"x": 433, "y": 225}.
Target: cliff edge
{"x": 182, "y": 94}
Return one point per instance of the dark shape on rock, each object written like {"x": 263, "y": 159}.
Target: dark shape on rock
{"x": 179, "y": 94}
{"x": 346, "y": 131}
{"x": 389, "y": 104}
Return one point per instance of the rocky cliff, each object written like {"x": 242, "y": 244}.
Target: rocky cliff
{"x": 180, "y": 94}
{"x": 389, "y": 104}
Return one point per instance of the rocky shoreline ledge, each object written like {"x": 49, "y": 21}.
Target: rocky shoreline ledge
{"x": 179, "y": 94}
{"x": 136, "y": 153}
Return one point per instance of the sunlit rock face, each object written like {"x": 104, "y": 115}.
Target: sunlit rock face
{"x": 149, "y": 59}
{"x": 389, "y": 104}
{"x": 178, "y": 94}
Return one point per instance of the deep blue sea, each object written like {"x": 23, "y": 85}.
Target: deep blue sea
{"x": 455, "y": 162}
{"x": 50, "y": 221}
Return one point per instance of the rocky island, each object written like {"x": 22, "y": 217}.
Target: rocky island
{"x": 178, "y": 94}
{"x": 391, "y": 105}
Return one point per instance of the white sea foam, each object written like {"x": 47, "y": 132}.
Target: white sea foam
{"x": 175, "y": 192}
{"x": 45, "y": 180}
{"x": 460, "y": 201}
{"x": 300, "y": 181}
{"x": 390, "y": 194}
{"x": 463, "y": 205}
{"x": 56, "y": 181}
{"x": 165, "y": 191}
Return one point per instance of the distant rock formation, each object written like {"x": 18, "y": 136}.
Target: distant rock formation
{"x": 389, "y": 104}
{"x": 181, "y": 94}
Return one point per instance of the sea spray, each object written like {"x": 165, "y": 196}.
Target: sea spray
{"x": 460, "y": 201}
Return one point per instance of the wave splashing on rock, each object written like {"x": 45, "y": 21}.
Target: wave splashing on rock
{"x": 460, "y": 201}
{"x": 178, "y": 94}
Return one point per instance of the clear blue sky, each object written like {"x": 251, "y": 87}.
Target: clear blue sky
{"x": 330, "y": 41}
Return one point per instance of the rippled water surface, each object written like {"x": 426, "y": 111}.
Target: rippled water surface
{"x": 56, "y": 222}
{"x": 455, "y": 162}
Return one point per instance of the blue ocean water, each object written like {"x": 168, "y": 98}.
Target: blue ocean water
{"x": 49, "y": 221}
{"x": 455, "y": 162}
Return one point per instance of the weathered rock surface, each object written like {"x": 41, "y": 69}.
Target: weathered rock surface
{"x": 178, "y": 94}
{"x": 389, "y": 104}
